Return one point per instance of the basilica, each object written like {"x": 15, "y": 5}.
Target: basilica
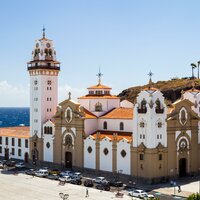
{"x": 147, "y": 139}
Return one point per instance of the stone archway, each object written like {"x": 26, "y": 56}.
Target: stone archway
{"x": 182, "y": 167}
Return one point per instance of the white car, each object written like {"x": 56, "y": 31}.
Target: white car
{"x": 100, "y": 179}
{"x": 77, "y": 175}
{"x": 42, "y": 173}
{"x": 137, "y": 193}
{"x": 65, "y": 179}
{"x": 19, "y": 165}
{"x": 66, "y": 173}
{"x": 148, "y": 196}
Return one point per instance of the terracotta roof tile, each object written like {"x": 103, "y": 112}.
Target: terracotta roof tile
{"x": 88, "y": 114}
{"x": 119, "y": 113}
{"x": 99, "y": 86}
{"x": 18, "y": 132}
{"x": 99, "y": 97}
{"x": 109, "y": 134}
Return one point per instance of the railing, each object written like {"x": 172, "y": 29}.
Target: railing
{"x": 159, "y": 110}
{"x": 142, "y": 110}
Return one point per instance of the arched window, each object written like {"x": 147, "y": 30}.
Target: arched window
{"x": 105, "y": 126}
{"x": 98, "y": 107}
{"x": 158, "y": 107}
{"x": 121, "y": 126}
{"x": 68, "y": 140}
{"x": 45, "y": 129}
{"x": 50, "y": 130}
{"x": 143, "y": 107}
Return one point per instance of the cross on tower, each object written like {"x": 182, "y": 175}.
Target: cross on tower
{"x": 150, "y": 74}
{"x": 43, "y": 30}
{"x": 99, "y": 75}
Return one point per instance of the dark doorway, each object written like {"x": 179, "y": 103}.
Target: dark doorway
{"x": 26, "y": 157}
{"x": 182, "y": 167}
{"x": 6, "y": 154}
{"x": 68, "y": 160}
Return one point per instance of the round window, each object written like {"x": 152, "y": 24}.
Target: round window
{"x": 106, "y": 151}
{"x": 48, "y": 145}
{"x": 89, "y": 149}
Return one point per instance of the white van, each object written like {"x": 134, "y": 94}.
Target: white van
{"x": 42, "y": 173}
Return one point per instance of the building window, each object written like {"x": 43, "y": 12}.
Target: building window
{"x": 35, "y": 120}
{"x": 13, "y": 151}
{"x": 140, "y": 136}
{"x": 159, "y": 124}
{"x": 143, "y": 136}
{"x": 141, "y": 124}
{"x": 105, "y": 126}
{"x": 121, "y": 126}
{"x": 13, "y": 141}
{"x": 49, "y": 82}
{"x": 68, "y": 140}
{"x": 19, "y": 152}
{"x": 35, "y": 99}
{"x": 98, "y": 107}
{"x": 26, "y": 143}
{"x": 35, "y": 82}
{"x": 6, "y": 140}
{"x": 48, "y": 145}
{"x": 50, "y": 130}
{"x": 160, "y": 157}
{"x": 123, "y": 153}
{"x": 19, "y": 142}
{"x": 89, "y": 149}
{"x": 106, "y": 151}
{"x": 35, "y": 110}
{"x": 0, "y": 149}
{"x": 141, "y": 156}
{"x": 35, "y": 144}
{"x": 157, "y": 136}
{"x": 0, "y": 140}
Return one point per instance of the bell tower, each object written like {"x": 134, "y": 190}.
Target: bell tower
{"x": 43, "y": 70}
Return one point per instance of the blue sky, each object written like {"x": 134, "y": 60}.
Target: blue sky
{"x": 126, "y": 38}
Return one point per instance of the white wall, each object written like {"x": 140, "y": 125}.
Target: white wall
{"x": 90, "y": 126}
{"x": 9, "y": 146}
{"x": 106, "y": 160}
{"x": 114, "y": 124}
{"x": 126, "y": 104}
{"x": 123, "y": 163}
{"x": 89, "y": 158}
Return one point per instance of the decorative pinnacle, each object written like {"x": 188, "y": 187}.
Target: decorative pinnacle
{"x": 150, "y": 74}
{"x": 69, "y": 98}
{"x": 43, "y": 30}
{"x": 99, "y": 76}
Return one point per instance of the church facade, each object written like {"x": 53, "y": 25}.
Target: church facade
{"x": 147, "y": 139}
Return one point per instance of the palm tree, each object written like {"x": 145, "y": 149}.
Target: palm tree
{"x": 198, "y": 68}
{"x": 193, "y": 66}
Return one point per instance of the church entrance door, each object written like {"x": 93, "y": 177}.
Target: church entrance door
{"x": 6, "y": 154}
{"x": 68, "y": 160}
{"x": 182, "y": 167}
{"x": 26, "y": 157}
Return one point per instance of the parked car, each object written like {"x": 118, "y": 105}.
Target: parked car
{"x": 148, "y": 196}
{"x": 66, "y": 173}
{"x": 76, "y": 175}
{"x": 42, "y": 173}
{"x": 101, "y": 186}
{"x": 1, "y": 164}
{"x": 30, "y": 172}
{"x": 65, "y": 179}
{"x": 20, "y": 165}
{"x": 10, "y": 163}
{"x": 53, "y": 176}
{"x": 88, "y": 183}
{"x": 137, "y": 193}
{"x": 100, "y": 179}
{"x": 116, "y": 183}
{"x": 76, "y": 181}
{"x": 54, "y": 171}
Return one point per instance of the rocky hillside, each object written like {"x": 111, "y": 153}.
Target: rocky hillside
{"x": 171, "y": 89}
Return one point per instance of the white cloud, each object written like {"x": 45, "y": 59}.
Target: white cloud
{"x": 18, "y": 95}
{"x": 13, "y": 95}
{"x": 63, "y": 92}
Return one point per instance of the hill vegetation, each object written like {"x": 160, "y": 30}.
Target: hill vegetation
{"x": 171, "y": 89}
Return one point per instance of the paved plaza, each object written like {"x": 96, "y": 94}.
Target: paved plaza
{"x": 25, "y": 187}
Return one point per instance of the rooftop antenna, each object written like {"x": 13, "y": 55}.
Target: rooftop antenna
{"x": 99, "y": 76}
{"x": 43, "y": 30}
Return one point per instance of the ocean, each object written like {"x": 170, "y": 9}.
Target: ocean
{"x": 14, "y": 117}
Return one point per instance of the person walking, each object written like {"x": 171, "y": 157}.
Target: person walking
{"x": 87, "y": 193}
